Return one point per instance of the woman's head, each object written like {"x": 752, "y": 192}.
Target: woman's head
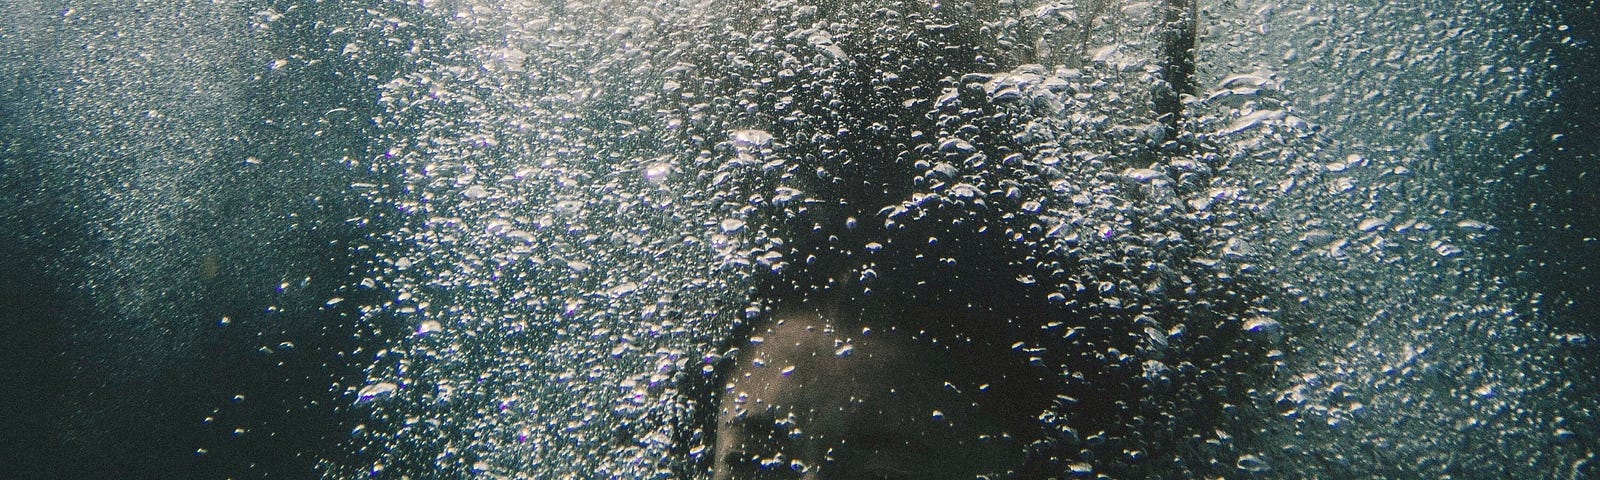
{"x": 898, "y": 383}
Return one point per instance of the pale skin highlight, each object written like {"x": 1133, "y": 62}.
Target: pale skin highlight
{"x": 813, "y": 401}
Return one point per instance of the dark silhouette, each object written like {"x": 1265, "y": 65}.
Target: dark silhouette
{"x": 948, "y": 284}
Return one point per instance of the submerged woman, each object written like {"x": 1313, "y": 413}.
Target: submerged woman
{"x": 905, "y": 331}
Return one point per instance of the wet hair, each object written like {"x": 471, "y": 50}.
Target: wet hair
{"x": 966, "y": 265}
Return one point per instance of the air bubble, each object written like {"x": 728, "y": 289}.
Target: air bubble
{"x": 376, "y": 391}
{"x": 1252, "y": 464}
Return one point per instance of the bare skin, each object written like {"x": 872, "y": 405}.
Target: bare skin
{"x": 808, "y": 401}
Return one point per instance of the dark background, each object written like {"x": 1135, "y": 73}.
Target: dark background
{"x": 66, "y": 413}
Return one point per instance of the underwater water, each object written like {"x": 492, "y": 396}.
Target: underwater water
{"x": 540, "y": 239}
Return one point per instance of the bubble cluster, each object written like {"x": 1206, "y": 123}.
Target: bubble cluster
{"x": 1283, "y": 283}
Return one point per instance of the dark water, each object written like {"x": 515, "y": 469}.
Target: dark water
{"x": 160, "y": 173}
{"x": 123, "y": 367}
